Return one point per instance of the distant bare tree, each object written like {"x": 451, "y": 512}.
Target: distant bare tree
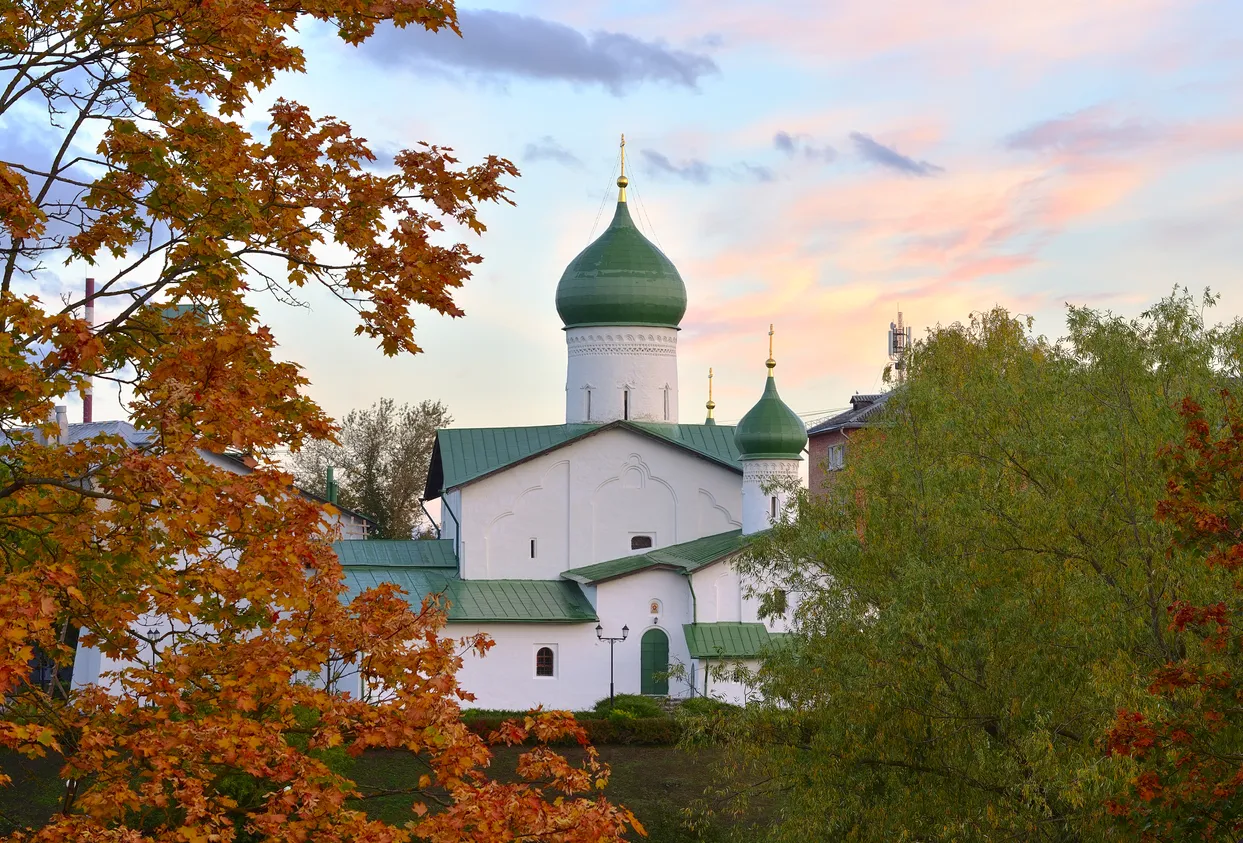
{"x": 381, "y": 463}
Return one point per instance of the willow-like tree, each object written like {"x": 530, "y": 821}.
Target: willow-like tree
{"x": 985, "y": 585}
{"x": 382, "y": 455}
{"x": 144, "y": 166}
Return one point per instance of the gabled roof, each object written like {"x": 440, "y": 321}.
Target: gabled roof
{"x": 683, "y": 558}
{"x": 135, "y": 438}
{"x": 728, "y": 640}
{"x": 139, "y": 439}
{"x": 423, "y": 567}
{"x": 463, "y": 455}
{"x": 84, "y": 431}
{"x": 864, "y": 410}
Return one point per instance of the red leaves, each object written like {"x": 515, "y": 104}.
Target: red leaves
{"x": 1189, "y": 777}
{"x": 1130, "y": 735}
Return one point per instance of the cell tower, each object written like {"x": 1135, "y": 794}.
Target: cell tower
{"x": 899, "y": 342}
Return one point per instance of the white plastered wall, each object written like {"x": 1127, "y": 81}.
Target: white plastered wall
{"x": 726, "y": 690}
{"x": 505, "y": 677}
{"x": 584, "y": 503}
{"x": 762, "y": 480}
{"x": 627, "y": 601}
{"x": 609, "y": 361}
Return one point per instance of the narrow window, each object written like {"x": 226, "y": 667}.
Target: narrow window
{"x": 640, "y": 542}
{"x": 839, "y": 457}
{"x": 773, "y": 504}
{"x": 666, "y": 403}
{"x": 589, "y": 405}
{"x": 532, "y": 548}
{"x": 625, "y": 403}
{"x": 544, "y": 661}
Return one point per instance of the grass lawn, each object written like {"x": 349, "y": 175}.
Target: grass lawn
{"x": 34, "y": 794}
{"x": 655, "y": 782}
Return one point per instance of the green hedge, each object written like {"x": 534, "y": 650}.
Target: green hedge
{"x": 601, "y": 731}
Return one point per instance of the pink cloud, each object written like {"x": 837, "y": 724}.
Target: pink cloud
{"x": 958, "y": 32}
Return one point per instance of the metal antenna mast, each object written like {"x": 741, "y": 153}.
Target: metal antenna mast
{"x": 899, "y": 343}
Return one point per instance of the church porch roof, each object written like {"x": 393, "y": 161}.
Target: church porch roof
{"x": 728, "y": 640}
{"x": 684, "y": 558}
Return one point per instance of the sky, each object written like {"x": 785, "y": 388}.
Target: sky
{"x": 817, "y": 165}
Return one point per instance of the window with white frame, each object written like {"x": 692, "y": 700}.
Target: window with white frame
{"x": 837, "y": 457}
{"x": 641, "y": 542}
{"x": 546, "y": 660}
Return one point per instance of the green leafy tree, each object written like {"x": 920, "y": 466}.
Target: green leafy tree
{"x": 382, "y": 454}
{"x": 984, "y": 587}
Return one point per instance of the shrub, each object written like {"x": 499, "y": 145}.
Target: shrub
{"x": 702, "y": 706}
{"x": 634, "y": 704}
{"x": 635, "y": 731}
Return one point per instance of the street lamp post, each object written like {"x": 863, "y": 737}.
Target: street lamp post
{"x": 600, "y": 635}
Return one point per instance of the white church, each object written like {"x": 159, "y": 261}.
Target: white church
{"x": 620, "y": 523}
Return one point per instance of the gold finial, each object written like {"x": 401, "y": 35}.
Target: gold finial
{"x": 770, "y": 362}
{"x": 711, "y": 405}
{"x": 622, "y": 181}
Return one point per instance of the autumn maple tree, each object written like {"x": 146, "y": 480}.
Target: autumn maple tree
{"x": 141, "y": 165}
{"x": 1188, "y": 742}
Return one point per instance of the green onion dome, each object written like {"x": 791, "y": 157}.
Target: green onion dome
{"x": 770, "y": 430}
{"x": 621, "y": 279}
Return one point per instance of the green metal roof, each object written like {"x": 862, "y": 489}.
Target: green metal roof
{"x": 518, "y": 601}
{"x": 461, "y": 455}
{"x": 416, "y": 582}
{"x": 421, "y": 553}
{"x": 771, "y": 430}
{"x": 716, "y": 442}
{"x": 621, "y": 278}
{"x": 420, "y": 567}
{"x": 728, "y": 640}
{"x": 479, "y": 601}
{"x": 684, "y": 558}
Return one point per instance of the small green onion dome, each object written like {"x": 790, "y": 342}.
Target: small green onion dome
{"x": 770, "y": 430}
{"x": 621, "y": 279}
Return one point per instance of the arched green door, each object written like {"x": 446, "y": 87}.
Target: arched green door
{"x": 654, "y": 662}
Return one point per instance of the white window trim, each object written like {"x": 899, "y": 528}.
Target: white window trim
{"x": 634, "y": 536}
{"x": 836, "y": 457}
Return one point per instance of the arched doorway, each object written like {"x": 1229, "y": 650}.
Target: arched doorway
{"x": 654, "y": 662}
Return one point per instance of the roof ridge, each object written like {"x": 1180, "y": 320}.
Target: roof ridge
{"x": 730, "y": 541}
{"x": 480, "y": 455}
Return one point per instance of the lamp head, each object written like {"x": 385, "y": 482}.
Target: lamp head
{"x": 625, "y": 632}
{"x": 599, "y": 631}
